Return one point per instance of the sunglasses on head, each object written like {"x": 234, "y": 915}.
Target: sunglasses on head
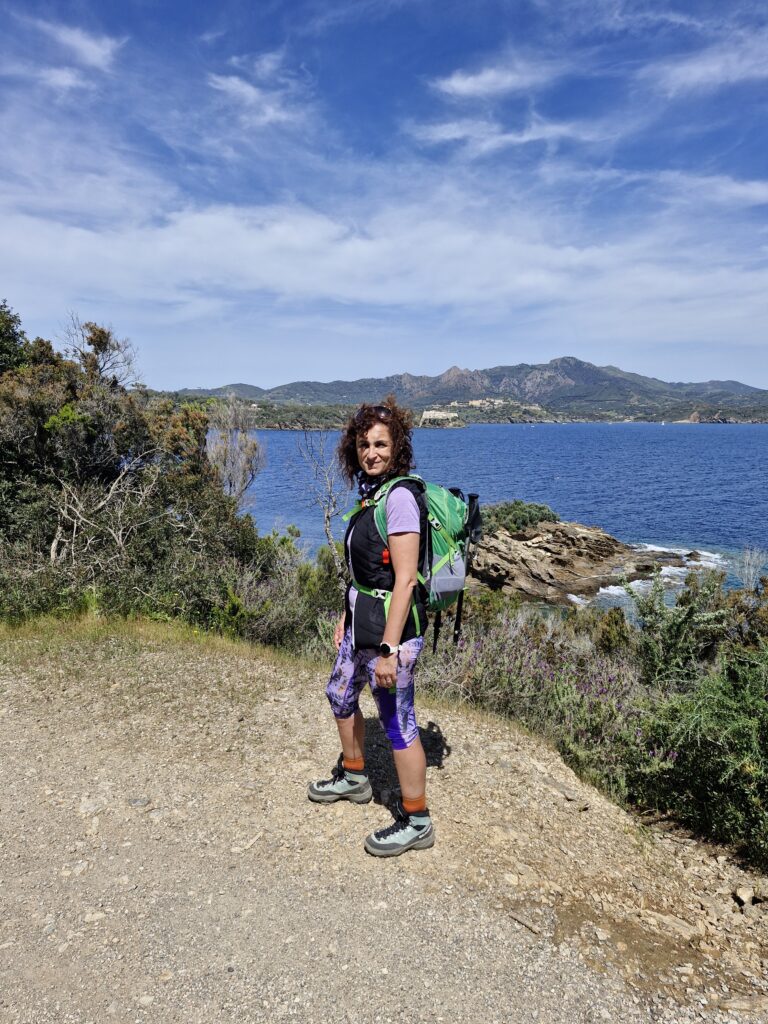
{"x": 381, "y": 411}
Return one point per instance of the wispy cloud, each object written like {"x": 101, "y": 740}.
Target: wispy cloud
{"x": 742, "y": 58}
{"x": 95, "y": 51}
{"x": 482, "y": 137}
{"x": 260, "y": 106}
{"x": 264, "y": 91}
{"x": 327, "y": 14}
{"x": 62, "y": 79}
{"x": 514, "y": 75}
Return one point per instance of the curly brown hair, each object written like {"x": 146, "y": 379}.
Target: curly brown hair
{"x": 400, "y": 423}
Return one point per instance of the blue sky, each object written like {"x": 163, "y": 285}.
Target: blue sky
{"x": 273, "y": 191}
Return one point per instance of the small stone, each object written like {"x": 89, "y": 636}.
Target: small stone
{"x": 140, "y": 801}
{"x": 90, "y": 805}
{"x": 94, "y": 916}
{"x": 145, "y": 1000}
{"x": 744, "y": 894}
{"x": 751, "y": 1004}
{"x": 602, "y": 936}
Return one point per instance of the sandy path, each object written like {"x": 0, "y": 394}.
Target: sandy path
{"x": 159, "y": 861}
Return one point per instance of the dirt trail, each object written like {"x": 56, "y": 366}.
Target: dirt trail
{"x": 159, "y": 861}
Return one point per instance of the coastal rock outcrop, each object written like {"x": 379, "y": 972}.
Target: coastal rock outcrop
{"x": 550, "y": 561}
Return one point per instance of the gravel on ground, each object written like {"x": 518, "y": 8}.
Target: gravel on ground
{"x": 159, "y": 860}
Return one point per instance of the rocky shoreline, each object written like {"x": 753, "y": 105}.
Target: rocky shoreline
{"x": 557, "y": 562}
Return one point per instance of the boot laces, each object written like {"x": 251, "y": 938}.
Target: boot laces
{"x": 401, "y": 822}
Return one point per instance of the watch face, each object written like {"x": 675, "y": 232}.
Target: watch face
{"x": 385, "y": 649}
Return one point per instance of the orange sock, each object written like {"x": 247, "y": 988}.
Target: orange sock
{"x": 415, "y": 805}
{"x": 354, "y": 764}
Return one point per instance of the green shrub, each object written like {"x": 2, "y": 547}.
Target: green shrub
{"x": 672, "y": 642}
{"x": 704, "y": 754}
{"x": 515, "y": 515}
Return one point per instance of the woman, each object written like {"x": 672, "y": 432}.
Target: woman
{"x": 381, "y": 633}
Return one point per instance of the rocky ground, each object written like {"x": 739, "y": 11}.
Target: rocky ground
{"x": 159, "y": 861}
{"x": 551, "y": 561}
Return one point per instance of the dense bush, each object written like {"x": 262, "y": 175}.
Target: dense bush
{"x": 114, "y": 501}
{"x": 704, "y": 754}
{"x": 515, "y": 515}
{"x": 669, "y": 711}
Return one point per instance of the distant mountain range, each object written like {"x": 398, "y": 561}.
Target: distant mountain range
{"x": 565, "y": 388}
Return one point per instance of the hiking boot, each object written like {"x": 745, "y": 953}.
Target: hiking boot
{"x": 342, "y": 785}
{"x": 407, "y": 832}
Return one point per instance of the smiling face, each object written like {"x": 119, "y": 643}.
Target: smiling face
{"x": 374, "y": 450}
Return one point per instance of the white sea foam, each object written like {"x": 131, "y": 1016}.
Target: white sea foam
{"x": 710, "y": 560}
{"x": 658, "y": 547}
{"x": 706, "y": 559}
{"x": 614, "y": 591}
{"x": 577, "y": 600}
{"x": 675, "y": 572}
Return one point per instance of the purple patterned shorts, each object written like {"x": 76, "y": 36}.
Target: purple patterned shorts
{"x": 355, "y": 668}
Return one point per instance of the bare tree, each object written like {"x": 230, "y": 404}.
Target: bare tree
{"x": 749, "y": 566}
{"x": 102, "y": 522}
{"x": 328, "y": 490}
{"x": 101, "y": 354}
{"x": 236, "y": 455}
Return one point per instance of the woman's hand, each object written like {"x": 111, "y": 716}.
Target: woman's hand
{"x": 386, "y": 671}
{"x": 338, "y": 633}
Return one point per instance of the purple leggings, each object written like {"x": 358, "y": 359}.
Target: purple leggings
{"x": 354, "y": 668}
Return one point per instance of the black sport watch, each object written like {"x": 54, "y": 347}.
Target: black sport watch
{"x": 386, "y": 649}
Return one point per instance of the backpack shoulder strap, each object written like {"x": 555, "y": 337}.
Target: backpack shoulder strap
{"x": 380, "y": 503}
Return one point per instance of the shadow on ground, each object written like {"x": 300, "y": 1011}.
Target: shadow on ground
{"x": 381, "y": 767}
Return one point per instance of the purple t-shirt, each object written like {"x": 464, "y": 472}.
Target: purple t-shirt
{"x": 402, "y": 517}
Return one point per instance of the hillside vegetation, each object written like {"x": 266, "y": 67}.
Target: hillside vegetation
{"x": 563, "y": 389}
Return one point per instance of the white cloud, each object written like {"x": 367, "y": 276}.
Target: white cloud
{"x": 481, "y": 138}
{"x": 261, "y": 106}
{"x": 268, "y": 65}
{"x": 514, "y": 75}
{"x": 740, "y": 59}
{"x": 93, "y": 51}
{"x": 714, "y": 188}
{"x": 506, "y": 264}
{"x": 62, "y": 79}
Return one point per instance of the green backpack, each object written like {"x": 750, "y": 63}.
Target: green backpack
{"x": 444, "y": 573}
{"x": 454, "y": 524}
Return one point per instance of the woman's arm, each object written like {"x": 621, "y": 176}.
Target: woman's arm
{"x": 404, "y": 555}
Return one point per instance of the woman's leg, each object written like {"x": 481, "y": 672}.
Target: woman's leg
{"x": 352, "y": 736}
{"x": 348, "y": 779}
{"x": 398, "y": 719}
{"x": 411, "y": 767}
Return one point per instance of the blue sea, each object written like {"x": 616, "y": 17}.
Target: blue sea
{"x": 679, "y": 486}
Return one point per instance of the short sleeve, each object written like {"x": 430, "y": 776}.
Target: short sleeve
{"x": 402, "y": 512}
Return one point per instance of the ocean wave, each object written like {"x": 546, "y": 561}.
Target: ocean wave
{"x": 577, "y": 600}
{"x": 706, "y": 559}
{"x": 658, "y": 547}
{"x": 710, "y": 560}
{"x": 675, "y": 572}
{"x": 614, "y": 591}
